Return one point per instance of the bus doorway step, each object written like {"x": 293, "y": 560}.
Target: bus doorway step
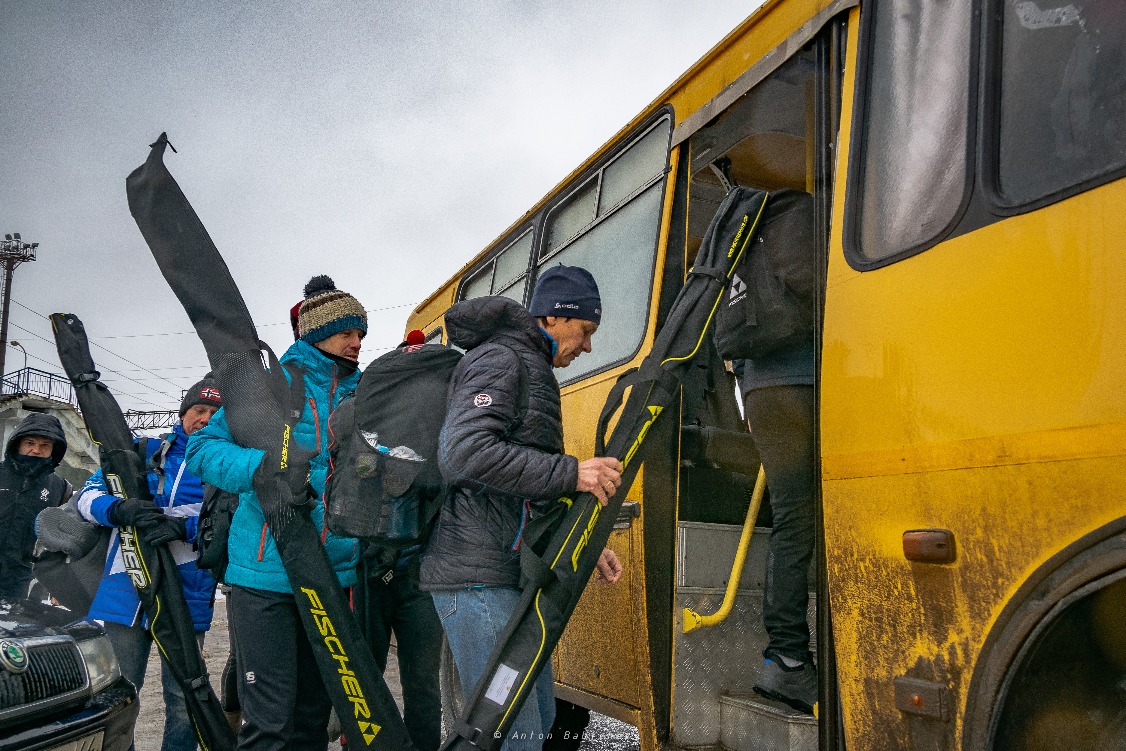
{"x": 749, "y": 722}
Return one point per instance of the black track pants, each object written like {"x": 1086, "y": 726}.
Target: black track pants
{"x": 781, "y": 420}
{"x": 284, "y": 702}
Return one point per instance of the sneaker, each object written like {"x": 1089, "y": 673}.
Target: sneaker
{"x": 60, "y": 528}
{"x": 796, "y": 687}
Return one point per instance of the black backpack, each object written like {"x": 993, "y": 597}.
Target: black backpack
{"x": 384, "y": 485}
{"x": 215, "y": 514}
{"x": 769, "y": 300}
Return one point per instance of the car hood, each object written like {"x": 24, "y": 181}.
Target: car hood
{"x": 25, "y": 619}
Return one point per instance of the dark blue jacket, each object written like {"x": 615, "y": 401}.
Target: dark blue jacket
{"x": 179, "y": 493}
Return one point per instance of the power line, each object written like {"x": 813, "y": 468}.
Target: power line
{"x": 106, "y": 349}
{"x": 139, "y": 368}
{"x": 261, "y": 326}
{"x": 116, "y": 393}
{"x": 107, "y": 369}
{"x": 167, "y": 367}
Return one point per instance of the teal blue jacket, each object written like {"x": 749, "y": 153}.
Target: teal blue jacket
{"x": 217, "y": 459}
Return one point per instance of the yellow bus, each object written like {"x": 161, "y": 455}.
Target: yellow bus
{"x": 967, "y": 162}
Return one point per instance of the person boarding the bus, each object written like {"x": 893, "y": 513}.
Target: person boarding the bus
{"x": 779, "y": 406}
{"x": 170, "y": 518}
{"x": 501, "y": 447}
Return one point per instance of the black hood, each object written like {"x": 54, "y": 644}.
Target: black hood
{"x": 476, "y": 321}
{"x": 38, "y": 424}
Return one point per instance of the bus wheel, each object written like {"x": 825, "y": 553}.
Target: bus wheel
{"x": 1067, "y": 686}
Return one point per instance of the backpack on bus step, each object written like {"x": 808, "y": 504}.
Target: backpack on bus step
{"x": 384, "y": 485}
{"x": 769, "y": 300}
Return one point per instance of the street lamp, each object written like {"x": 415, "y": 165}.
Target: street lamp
{"x": 19, "y": 346}
{"x": 13, "y": 252}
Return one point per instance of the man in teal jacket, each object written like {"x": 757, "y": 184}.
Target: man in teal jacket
{"x": 284, "y": 702}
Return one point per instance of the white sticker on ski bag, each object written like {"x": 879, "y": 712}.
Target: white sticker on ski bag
{"x": 501, "y": 684}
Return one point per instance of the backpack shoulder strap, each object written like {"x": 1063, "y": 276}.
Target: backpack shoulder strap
{"x": 155, "y": 463}
{"x": 296, "y": 388}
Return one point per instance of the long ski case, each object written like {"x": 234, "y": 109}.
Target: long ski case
{"x": 555, "y": 578}
{"x": 256, "y": 400}
{"x": 151, "y": 567}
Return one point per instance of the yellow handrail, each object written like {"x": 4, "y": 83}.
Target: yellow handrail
{"x": 693, "y": 620}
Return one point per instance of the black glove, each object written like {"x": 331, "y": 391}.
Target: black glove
{"x": 169, "y": 528}
{"x": 296, "y": 473}
{"x": 134, "y": 512}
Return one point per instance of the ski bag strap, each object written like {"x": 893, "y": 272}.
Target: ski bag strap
{"x": 613, "y": 401}
{"x": 157, "y": 460}
{"x": 296, "y": 387}
{"x": 477, "y": 736}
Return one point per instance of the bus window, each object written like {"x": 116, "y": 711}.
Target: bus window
{"x": 911, "y": 170}
{"x": 617, "y": 245}
{"x": 510, "y": 274}
{"x": 632, "y": 169}
{"x": 478, "y": 285}
{"x": 572, "y": 216}
{"x": 504, "y": 274}
{"x": 1062, "y": 108}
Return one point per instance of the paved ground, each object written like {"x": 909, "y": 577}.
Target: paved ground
{"x": 604, "y": 733}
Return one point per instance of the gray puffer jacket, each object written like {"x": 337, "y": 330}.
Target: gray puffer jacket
{"x": 504, "y": 459}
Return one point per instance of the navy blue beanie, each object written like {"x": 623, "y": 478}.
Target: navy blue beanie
{"x": 566, "y": 292}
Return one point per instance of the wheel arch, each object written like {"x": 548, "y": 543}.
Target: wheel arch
{"x": 1089, "y": 564}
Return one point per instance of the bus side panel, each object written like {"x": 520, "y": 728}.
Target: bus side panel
{"x": 977, "y": 387}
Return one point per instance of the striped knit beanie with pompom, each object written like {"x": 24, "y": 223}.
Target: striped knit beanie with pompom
{"x": 327, "y": 311}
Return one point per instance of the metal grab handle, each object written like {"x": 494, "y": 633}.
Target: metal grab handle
{"x": 693, "y": 620}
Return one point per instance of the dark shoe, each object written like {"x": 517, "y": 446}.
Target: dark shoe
{"x": 795, "y": 687}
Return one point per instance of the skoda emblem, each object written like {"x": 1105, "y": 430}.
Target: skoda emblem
{"x": 13, "y": 656}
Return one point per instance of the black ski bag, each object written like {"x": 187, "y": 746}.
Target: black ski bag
{"x": 768, "y": 304}
{"x": 383, "y": 484}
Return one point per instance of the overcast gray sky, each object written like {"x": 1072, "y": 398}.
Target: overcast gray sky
{"x": 382, "y": 143}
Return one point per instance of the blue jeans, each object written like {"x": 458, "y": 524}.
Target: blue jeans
{"x": 132, "y": 645}
{"x": 474, "y": 620}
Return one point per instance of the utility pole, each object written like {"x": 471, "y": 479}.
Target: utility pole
{"x": 13, "y": 252}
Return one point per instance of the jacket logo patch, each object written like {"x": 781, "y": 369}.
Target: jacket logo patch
{"x": 482, "y": 400}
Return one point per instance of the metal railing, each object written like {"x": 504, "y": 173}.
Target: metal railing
{"x": 137, "y": 420}
{"x": 35, "y": 382}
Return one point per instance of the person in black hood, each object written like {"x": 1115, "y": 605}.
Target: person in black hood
{"x": 501, "y": 448}
{"x": 28, "y": 484}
